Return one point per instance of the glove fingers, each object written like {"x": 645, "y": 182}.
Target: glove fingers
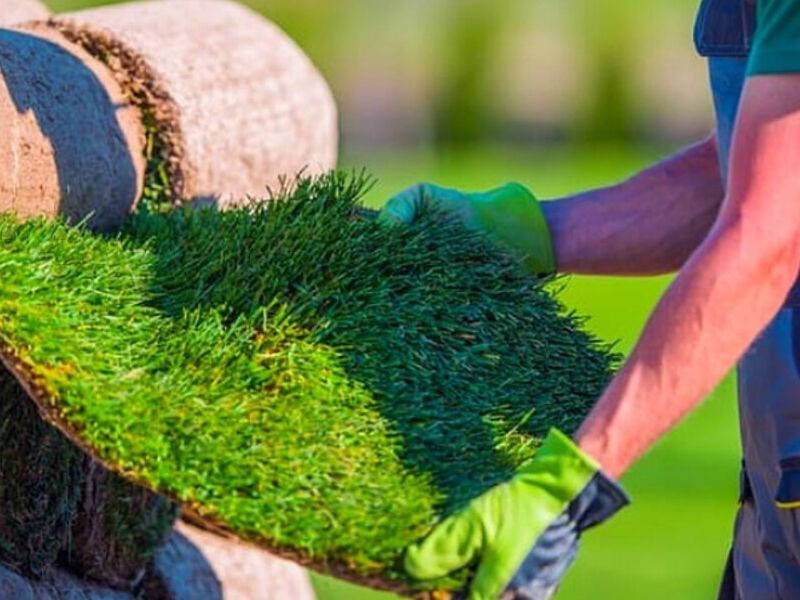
{"x": 406, "y": 206}
{"x": 453, "y": 544}
{"x": 489, "y": 581}
{"x": 401, "y": 208}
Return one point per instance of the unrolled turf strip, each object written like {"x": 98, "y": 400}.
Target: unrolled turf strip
{"x": 295, "y": 372}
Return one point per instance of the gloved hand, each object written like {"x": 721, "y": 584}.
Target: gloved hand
{"x": 510, "y": 214}
{"x": 523, "y": 534}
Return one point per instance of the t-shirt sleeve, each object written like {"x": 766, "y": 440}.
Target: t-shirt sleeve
{"x": 776, "y": 47}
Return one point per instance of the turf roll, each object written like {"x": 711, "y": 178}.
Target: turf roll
{"x": 69, "y": 138}
{"x": 191, "y": 565}
{"x": 70, "y": 143}
{"x": 19, "y": 11}
{"x": 199, "y": 565}
{"x": 233, "y": 103}
{"x": 60, "y": 507}
{"x": 61, "y": 585}
{"x": 88, "y": 127}
{"x": 40, "y": 478}
{"x": 117, "y": 528}
{"x": 198, "y": 100}
{"x": 293, "y": 372}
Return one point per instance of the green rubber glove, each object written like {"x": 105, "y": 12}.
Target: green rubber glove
{"x": 509, "y": 214}
{"x": 522, "y": 534}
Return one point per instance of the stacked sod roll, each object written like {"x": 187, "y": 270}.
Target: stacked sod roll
{"x": 293, "y": 372}
{"x": 60, "y": 129}
{"x": 220, "y": 103}
{"x": 86, "y": 128}
{"x": 70, "y": 142}
{"x": 192, "y": 565}
{"x": 232, "y": 103}
{"x": 18, "y": 11}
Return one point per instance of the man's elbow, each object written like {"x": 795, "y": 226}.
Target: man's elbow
{"x": 707, "y": 147}
{"x": 774, "y": 260}
{"x": 759, "y": 244}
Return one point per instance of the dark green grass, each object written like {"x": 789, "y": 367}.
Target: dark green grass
{"x": 673, "y": 540}
{"x": 298, "y": 373}
{"x": 40, "y": 475}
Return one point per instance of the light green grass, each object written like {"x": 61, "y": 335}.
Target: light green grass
{"x": 307, "y": 377}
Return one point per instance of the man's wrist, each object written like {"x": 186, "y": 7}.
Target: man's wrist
{"x": 603, "y": 438}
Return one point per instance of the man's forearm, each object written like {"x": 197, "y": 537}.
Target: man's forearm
{"x": 647, "y": 225}
{"x": 702, "y": 325}
{"x": 726, "y": 293}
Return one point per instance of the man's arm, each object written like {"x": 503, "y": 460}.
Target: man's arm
{"x": 727, "y": 292}
{"x": 647, "y": 225}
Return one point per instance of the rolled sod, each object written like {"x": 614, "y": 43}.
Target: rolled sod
{"x": 233, "y": 102}
{"x": 67, "y": 138}
{"x": 70, "y": 143}
{"x": 293, "y": 372}
{"x": 191, "y": 565}
{"x": 58, "y": 506}
{"x": 78, "y": 122}
{"x": 40, "y": 478}
{"x": 215, "y": 100}
{"x": 19, "y": 11}
{"x": 61, "y": 585}
{"x": 198, "y": 565}
{"x": 61, "y": 508}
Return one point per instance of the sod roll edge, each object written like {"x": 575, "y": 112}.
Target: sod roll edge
{"x": 68, "y": 136}
{"x": 70, "y": 142}
{"x": 97, "y": 548}
{"x": 192, "y": 565}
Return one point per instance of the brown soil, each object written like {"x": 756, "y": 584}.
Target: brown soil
{"x": 70, "y": 143}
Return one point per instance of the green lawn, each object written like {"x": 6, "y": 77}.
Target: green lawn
{"x": 671, "y": 542}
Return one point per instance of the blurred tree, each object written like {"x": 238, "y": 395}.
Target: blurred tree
{"x": 608, "y": 29}
{"x": 471, "y": 35}
{"x": 611, "y": 113}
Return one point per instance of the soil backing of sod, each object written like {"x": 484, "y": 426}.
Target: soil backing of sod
{"x": 60, "y": 507}
{"x": 294, "y": 372}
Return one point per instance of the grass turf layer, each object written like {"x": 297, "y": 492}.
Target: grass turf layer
{"x": 40, "y": 480}
{"x": 295, "y": 372}
{"x": 61, "y": 506}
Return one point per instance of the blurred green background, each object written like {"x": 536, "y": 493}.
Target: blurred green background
{"x": 561, "y": 96}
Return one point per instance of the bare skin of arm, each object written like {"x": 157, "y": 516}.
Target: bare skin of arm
{"x": 726, "y": 293}
{"x": 647, "y": 225}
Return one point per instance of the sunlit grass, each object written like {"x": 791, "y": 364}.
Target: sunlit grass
{"x": 296, "y": 371}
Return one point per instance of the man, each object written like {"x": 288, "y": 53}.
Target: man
{"x": 726, "y": 212}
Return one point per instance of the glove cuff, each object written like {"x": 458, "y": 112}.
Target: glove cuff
{"x": 597, "y": 502}
{"x": 600, "y": 497}
{"x": 575, "y": 478}
{"x": 521, "y": 224}
{"x": 594, "y": 498}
